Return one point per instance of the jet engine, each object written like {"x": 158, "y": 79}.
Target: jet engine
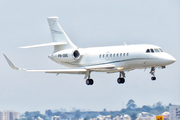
{"x": 66, "y": 55}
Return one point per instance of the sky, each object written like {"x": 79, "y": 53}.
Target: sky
{"x": 88, "y": 23}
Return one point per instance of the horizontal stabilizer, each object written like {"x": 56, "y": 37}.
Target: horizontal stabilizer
{"x": 46, "y": 44}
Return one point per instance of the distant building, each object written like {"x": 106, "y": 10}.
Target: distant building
{"x": 38, "y": 118}
{"x": 101, "y": 117}
{"x": 1, "y": 115}
{"x": 146, "y": 116}
{"x": 55, "y": 118}
{"x": 10, "y": 115}
{"x": 174, "y": 112}
{"x": 166, "y": 115}
{"x": 122, "y": 117}
{"x": 125, "y": 117}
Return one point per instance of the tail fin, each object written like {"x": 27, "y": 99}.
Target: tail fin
{"x": 58, "y": 35}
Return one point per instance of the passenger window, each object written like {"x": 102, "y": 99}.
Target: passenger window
{"x": 117, "y": 54}
{"x": 103, "y": 55}
{"x": 124, "y": 54}
{"x": 156, "y": 50}
{"x": 100, "y": 56}
{"x": 127, "y": 54}
{"x": 110, "y": 55}
{"x": 160, "y": 49}
{"x": 121, "y": 54}
{"x": 147, "y": 51}
{"x": 152, "y": 50}
{"x": 106, "y": 55}
{"x": 113, "y": 55}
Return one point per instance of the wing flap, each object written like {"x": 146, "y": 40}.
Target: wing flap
{"x": 106, "y": 66}
{"x": 67, "y": 71}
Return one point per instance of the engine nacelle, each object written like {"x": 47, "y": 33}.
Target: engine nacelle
{"x": 67, "y": 55}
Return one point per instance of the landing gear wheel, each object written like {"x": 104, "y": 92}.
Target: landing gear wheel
{"x": 89, "y": 81}
{"x": 153, "y": 78}
{"x": 120, "y": 80}
{"x": 123, "y": 80}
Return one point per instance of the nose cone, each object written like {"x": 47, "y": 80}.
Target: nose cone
{"x": 169, "y": 59}
{"x": 50, "y": 56}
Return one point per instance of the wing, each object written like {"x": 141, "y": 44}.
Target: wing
{"x": 58, "y": 71}
{"x": 87, "y": 70}
{"x": 68, "y": 71}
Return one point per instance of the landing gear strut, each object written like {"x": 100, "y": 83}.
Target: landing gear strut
{"x": 121, "y": 79}
{"x": 89, "y": 81}
{"x": 152, "y": 72}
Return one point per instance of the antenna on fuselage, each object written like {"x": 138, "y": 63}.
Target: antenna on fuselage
{"x": 125, "y": 43}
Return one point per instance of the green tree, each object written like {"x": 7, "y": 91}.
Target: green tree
{"x": 131, "y": 104}
{"x": 146, "y": 108}
{"x": 133, "y": 116}
{"x": 26, "y": 113}
{"x": 64, "y": 116}
{"x": 48, "y": 112}
{"x": 158, "y": 106}
{"x": 85, "y": 118}
{"x": 30, "y": 115}
{"x": 77, "y": 114}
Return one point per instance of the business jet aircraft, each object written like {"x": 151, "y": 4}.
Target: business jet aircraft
{"x": 109, "y": 59}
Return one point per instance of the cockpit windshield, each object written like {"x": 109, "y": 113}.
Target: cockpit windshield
{"x": 147, "y": 51}
{"x": 160, "y": 49}
{"x": 154, "y": 50}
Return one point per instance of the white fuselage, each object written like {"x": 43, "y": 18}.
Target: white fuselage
{"x": 128, "y": 57}
{"x": 108, "y": 59}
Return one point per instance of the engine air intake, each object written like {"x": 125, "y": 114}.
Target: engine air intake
{"x": 76, "y": 54}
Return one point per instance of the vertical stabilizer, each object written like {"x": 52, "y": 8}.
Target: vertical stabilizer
{"x": 58, "y": 35}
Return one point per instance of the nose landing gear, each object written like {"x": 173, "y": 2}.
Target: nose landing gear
{"x": 121, "y": 79}
{"x": 152, "y": 72}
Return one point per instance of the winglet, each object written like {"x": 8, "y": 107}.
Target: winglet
{"x": 11, "y": 64}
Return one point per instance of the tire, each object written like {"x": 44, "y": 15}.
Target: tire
{"x": 119, "y": 80}
{"x": 88, "y": 82}
{"x": 91, "y": 82}
{"x": 153, "y": 78}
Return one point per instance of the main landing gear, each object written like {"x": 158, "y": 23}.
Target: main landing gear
{"x": 89, "y": 81}
{"x": 152, "y": 72}
{"x": 121, "y": 79}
